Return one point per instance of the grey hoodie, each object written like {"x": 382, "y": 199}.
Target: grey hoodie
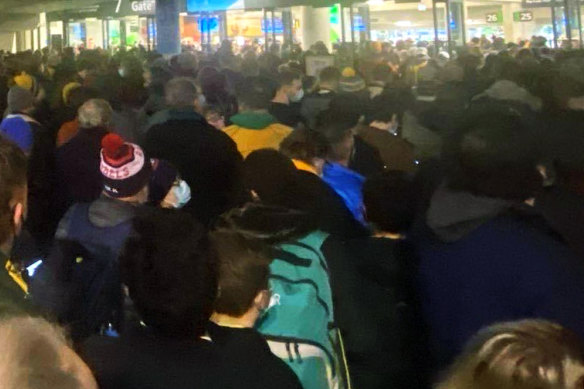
{"x": 452, "y": 215}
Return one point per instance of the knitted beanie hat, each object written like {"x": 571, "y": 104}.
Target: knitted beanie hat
{"x": 19, "y": 99}
{"x": 351, "y": 81}
{"x": 124, "y": 167}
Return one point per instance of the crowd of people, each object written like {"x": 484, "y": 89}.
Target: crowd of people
{"x": 223, "y": 220}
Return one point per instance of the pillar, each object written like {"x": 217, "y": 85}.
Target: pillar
{"x": 513, "y": 30}
{"x": 167, "y": 27}
{"x": 315, "y": 25}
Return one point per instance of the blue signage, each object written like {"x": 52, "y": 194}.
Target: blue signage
{"x": 278, "y": 26}
{"x": 209, "y": 5}
{"x": 208, "y": 24}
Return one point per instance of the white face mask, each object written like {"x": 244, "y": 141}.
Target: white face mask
{"x": 122, "y": 72}
{"x": 178, "y": 196}
{"x": 202, "y": 100}
{"x": 298, "y": 96}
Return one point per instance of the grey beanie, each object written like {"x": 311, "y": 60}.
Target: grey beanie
{"x": 19, "y": 99}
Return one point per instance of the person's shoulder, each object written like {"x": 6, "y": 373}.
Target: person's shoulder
{"x": 280, "y": 129}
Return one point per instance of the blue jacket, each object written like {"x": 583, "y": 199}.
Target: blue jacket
{"x": 19, "y": 129}
{"x": 348, "y": 184}
{"x": 481, "y": 264}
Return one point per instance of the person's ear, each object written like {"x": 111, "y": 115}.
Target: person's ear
{"x": 262, "y": 300}
{"x": 18, "y": 217}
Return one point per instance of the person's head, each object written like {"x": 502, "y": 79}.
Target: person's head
{"x": 35, "y": 354}
{"x": 169, "y": 267}
{"x": 496, "y": 157}
{"x": 519, "y": 355}
{"x": 290, "y": 85}
{"x": 307, "y": 146}
{"x": 270, "y": 175}
{"x": 181, "y": 92}
{"x": 255, "y": 94}
{"x": 338, "y": 130}
{"x": 86, "y": 67}
{"x": 329, "y": 78}
{"x": 389, "y": 202}
{"x": 13, "y": 192}
{"x": 383, "y": 112}
{"x": 243, "y": 276}
{"x": 214, "y": 117}
{"x": 125, "y": 169}
{"x": 95, "y": 113}
{"x": 20, "y": 100}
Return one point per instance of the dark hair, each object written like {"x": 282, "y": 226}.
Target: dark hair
{"x": 389, "y": 201}
{"x": 12, "y": 177}
{"x": 181, "y": 92}
{"x": 496, "y": 157}
{"x": 169, "y": 266}
{"x": 329, "y": 74}
{"x": 383, "y": 108}
{"x": 304, "y": 145}
{"x": 270, "y": 174}
{"x": 287, "y": 77}
{"x": 243, "y": 272}
{"x": 256, "y": 93}
{"x": 79, "y": 96}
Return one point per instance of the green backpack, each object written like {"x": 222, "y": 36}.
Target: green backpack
{"x": 299, "y": 323}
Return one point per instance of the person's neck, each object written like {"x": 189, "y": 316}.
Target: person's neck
{"x": 246, "y": 321}
{"x": 576, "y": 103}
{"x": 281, "y": 98}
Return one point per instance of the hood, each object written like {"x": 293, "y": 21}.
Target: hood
{"x": 269, "y": 224}
{"x": 253, "y": 120}
{"x": 509, "y": 91}
{"x": 453, "y": 215}
{"x": 176, "y": 114}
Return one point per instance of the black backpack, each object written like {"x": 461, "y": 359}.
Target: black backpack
{"x": 79, "y": 283}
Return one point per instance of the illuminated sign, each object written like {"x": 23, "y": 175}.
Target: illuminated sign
{"x": 136, "y": 7}
{"x": 523, "y": 16}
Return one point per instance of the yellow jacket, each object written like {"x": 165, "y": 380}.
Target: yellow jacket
{"x": 253, "y": 131}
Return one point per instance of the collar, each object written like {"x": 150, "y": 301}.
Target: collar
{"x": 16, "y": 276}
{"x": 301, "y": 165}
{"x": 253, "y": 120}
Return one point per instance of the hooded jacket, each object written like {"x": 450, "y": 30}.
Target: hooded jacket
{"x": 482, "y": 263}
{"x": 206, "y": 159}
{"x": 252, "y": 131}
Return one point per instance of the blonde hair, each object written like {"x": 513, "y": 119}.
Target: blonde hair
{"x": 35, "y": 355}
{"x": 525, "y": 354}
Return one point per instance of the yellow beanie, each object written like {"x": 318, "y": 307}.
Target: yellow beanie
{"x": 67, "y": 89}
{"x": 348, "y": 72}
{"x": 24, "y": 81}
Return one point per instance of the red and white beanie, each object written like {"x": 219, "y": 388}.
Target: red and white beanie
{"x": 124, "y": 167}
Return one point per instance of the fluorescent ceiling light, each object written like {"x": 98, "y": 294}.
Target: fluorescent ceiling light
{"x": 403, "y": 23}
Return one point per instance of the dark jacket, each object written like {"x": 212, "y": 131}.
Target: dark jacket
{"x": 41, "y": 220}
{"x": 264, "y": 370}
{"x": 366, "y": 159}
{"x": 314, "y": 104}
{"x": 377, "y": 310}
{"x": 78, "y": 172}
{"x": 287, "y": 114}
{"x": 395, "y": 152}
{"x": 206, "y": 158}
{"x": 481, "y": 263}
{"x": 140, "y": 359}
